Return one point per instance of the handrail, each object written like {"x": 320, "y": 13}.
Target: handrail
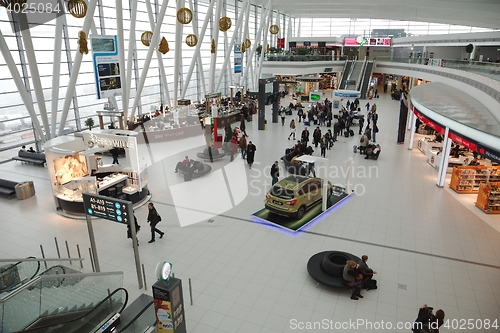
{"x": 19, "y": 262}
{"x": 47, "y": 277}
{"x": 343, "y": 72}
{"x": 42, "y": 259}
{"x": 106, "y": 299}
{"x": 361, "y": 75}
{"x": 136, "y": 317}
{"x": 353, "y": 64}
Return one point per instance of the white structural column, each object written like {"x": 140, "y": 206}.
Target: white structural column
{"x": 198, "y": 56}
{"x": 215, "y": 37}
{"x": 412, "y": 130}
{"x": 410, "y": 114}
{"x": 264, "y": 45}
{"x": 35, "y": 76}
{"x": 245, "y": 35}
{"x": 76, "y": 67}
{"x": 121, "y": 59}
{"x": 56, "y": 71}
{"x": 163, "y": 76}
{"x": 178, "y": 53}
{"x": 131, "y": 41}
{"x": 289, "y": 31}
{"x": 445, "y": 154}
{"x": 227, "y": 56}
{"x": 154, "y": 44}
{"x": 198, "y": 46}
{"x": 263, "y": 15}
{"x": 19, "y": 83}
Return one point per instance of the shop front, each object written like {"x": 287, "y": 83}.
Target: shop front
{"x": 83, "y": 164}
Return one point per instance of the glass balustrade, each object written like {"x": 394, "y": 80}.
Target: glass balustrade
{"x": 145, "y": 319}
{"x": 15, "y": 272}
{"x": 51, "y": 295}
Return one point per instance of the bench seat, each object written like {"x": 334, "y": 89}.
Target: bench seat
{"x": 28, "y": 157}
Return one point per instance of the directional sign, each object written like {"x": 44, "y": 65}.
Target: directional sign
{"x": 107, "y": 208}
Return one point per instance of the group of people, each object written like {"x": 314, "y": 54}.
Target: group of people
{"x": 153, "y": 219}
{"x": 30, "y": 150}
{"x": 358, "y": 276}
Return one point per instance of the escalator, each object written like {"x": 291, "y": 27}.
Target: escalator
{"x": 354, "y": 78}
{"x": 83, "y": 320}
{"x": 367, "y": 78}
{"x": 345, "y": 74}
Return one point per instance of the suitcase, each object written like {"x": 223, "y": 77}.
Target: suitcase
{"x": 315, "y": 121}
{"x": 351, "y": 132}
{"x": 355, "y": 149}
{"x": 346, "y": 134}
{"x": 188, "y": 176}
{"x": 306, "y": 123}
{"x": 329, "y": 124}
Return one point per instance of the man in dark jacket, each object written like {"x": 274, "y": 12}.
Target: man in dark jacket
{"x": 305, "y": 136}
{"x": 275, "y": 173}
{"x": 316, "y": 136}
{"x": 153, "y": 219}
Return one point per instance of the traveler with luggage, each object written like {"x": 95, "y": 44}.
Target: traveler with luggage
{"x": 292, "y": 129}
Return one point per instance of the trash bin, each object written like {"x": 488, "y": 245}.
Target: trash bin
{"x": 25, "y": 190}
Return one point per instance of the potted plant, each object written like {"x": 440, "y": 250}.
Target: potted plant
{"x": 89, "y": 123}
{"x": 258, "y": 50}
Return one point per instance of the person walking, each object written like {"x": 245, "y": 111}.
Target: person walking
{"x": 153, "y": 220}
{"x": 316, "y": 137}
{"x": 361, "y": 123}
{"x": 367, "y": 106}
{"x": 115, "y": 153}
{"x": 250, "y": 154}
{"x": 300, "y": 113}
{"x": 275, "y": 173}
{"x": 292, "y": 129}
{"x": 233, "y": 148}
{"x": 137, "y": 228}
{"x": 243, "y": 126}
{"x": 305, "y": 136}
{"x": 282, "y": 114}
{"x": 323, "y": 143}
{"x": 374, "y": 122}
{"x": 243, "y": 147}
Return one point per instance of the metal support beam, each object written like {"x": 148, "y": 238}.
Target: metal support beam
{"x": 215, "y": 37}
{"x": 178, "y": 54}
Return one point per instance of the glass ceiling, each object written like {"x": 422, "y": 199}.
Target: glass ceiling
{"x": 456, "y": 105}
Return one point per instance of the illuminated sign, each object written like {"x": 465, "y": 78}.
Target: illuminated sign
{"x": 107, "y": 208}
{"x": 361, "y": 41}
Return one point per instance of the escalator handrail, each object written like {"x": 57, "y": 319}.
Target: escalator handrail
{"x": 46, "y": 277}
{"x": 363, "y": 79}
{"x": 363, "y": 67}
{"x": 106, "y": 299}
{"x": 64, "y": 272}
{"x": 22, "y": 282}
{"x": 136, "y": 317}
{"x": 344, "y": 73}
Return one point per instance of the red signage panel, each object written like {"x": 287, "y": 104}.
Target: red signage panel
{"x": 463, "y": 142}
{"x": 428, "y": 122}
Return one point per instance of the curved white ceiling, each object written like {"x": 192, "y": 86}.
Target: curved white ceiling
{"x": 475, "y": 13}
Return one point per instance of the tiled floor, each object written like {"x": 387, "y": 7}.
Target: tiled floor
{"x": 248, "y": 277}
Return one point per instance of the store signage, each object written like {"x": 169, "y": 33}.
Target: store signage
{"x": 238, "y": 58}
{"x": 347, "y": 93}
{"x": 106, "y": 66}
{"x": 107, "y": 208}
{"x": 355, "y": 41}
{"x": 489, "y": 153}
{"x": 428, "y": 122}
{"x": 103, "y": 140}
{"x": 467, "y": 143}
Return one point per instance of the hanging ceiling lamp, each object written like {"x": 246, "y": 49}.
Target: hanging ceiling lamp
{"x": 248, "y": 43}
{"x": 77, "y": 8}
{"x": 146, "y": 38}
{"x": 184, "y": 15}
{"x": 225, "y": 23}
{"x": 10, "y": 4}
{"x": 191, "y": 40}
{"x": 274, "y": 29}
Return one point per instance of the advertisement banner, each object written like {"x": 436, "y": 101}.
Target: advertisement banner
{"x": 489, "y": 153}
{"x": 467, "y": 143}
{"x": 106, "y": 66}
{"x": 238, "y": 58}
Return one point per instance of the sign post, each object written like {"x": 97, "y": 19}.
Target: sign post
{"x": 115, "y": 210}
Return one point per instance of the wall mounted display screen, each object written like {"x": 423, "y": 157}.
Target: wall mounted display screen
{"x": 350, "y": 41}
{"x": 385, "y": 41}
{"x": 315, "y": 97}
{"x": 307, "y": 43}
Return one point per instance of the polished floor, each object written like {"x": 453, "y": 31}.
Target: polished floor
{"x": 426, "y": 246}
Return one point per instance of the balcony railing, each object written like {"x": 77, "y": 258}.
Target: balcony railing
{"x": 293, "y": 57}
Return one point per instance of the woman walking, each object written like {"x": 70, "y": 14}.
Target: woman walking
{"x": 323, "y": 143}
{"x": 292, "y": 129}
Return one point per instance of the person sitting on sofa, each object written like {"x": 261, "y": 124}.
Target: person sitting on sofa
{"x": 182, "y": 165}
{"x": 353, "y": 279}
{"x": 363, "y": 142}
{"x": 295, "y": 159}
{"x": 373, "y": 153}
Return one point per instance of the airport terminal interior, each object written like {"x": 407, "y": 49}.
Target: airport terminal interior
{"x": 428, "y": 239}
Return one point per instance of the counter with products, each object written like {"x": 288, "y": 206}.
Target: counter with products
{"x": 488, "y": 198}
{"x": 74, "y": 169}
